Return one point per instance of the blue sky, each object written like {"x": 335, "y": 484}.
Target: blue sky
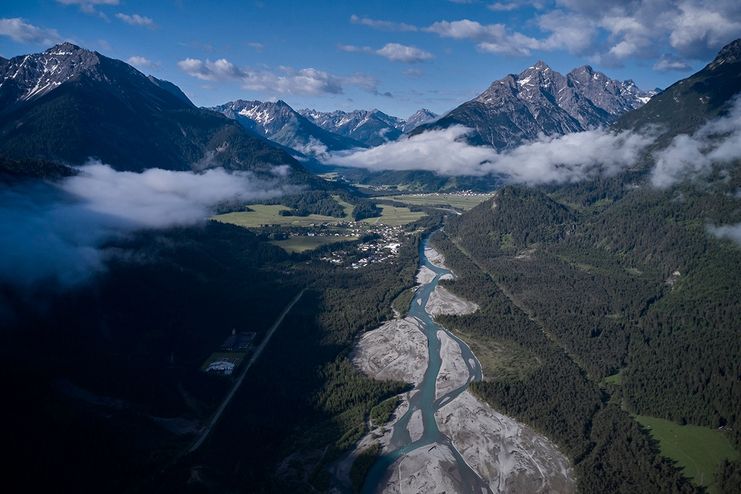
{"x": 397, "y": 56}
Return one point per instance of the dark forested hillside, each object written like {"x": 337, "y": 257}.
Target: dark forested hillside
{"x": 102, "y": 108}
{"x": 633, "y": 283}
{"x": 555, "y": 395}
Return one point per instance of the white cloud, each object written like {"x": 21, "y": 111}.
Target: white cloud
{"x": 157, "y": 198}
{"x": 22, "y": 32}
{"x": 59, "y": 232}
{"x": 694, "y": 28}
{"x": 692, "y": 156}
{"x": 291, "y": 81}
{"x": 206, "y": 70}
{"x": 136, "y": 20}
{"x": 567, "y": 31}
{"x": 609, "y": 33}
{"x": 729, "y": 232}
{"x": 284, "y": 80}
{"x": 355, "y": 49}
{"x": 89, "y": 6}
{"x": 141, "y": 62}
{"x": 392, "y": 51}
{"x": 381, "y": 24}
{"x": 491, "y": 38}
{"x": 669, "y": 62}
{"x": 699, "y": 27}
{"x": 403, "y": 53}
{"x": 503, "y": 6}
{"x": 568, "y": 158}
{"x": 258, "y": 47}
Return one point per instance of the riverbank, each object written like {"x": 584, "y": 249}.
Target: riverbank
{"x": 442, "y": 438}
{"x": 395, "y": 351}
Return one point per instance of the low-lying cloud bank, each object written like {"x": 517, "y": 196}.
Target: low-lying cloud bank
{"x": 58, "y": 232}
{"x": 729, "y": 232}
{"x": 568, "y": 158}
{"x": 692, "y": 156}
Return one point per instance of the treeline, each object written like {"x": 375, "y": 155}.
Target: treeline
{"x": 609, "y": 450}
{"x": 638, "y": 285}
{"x": 309, "y": 202}
{"x": 628, "y": 278}
{"x": 306, "y": 404}
{"x": 365, "y": 208}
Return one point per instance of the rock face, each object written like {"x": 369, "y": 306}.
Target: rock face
{"x": 541, "y": 100}
{"x": 418, "y": 118}
{"x": 371, "y": 127}
{"x": 69, "y": 104}
{"x": 279, "y": 122}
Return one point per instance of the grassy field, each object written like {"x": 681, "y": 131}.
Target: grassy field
{"x": 614, "y": 379}
{"x": 394, "y": 216}
{"x": 269, "y": 214}
{"x": 506, "y": 360}
{"x": 698, "y": 450}
{"x": 303, "y": 244}
{"x": 453, "y": 200}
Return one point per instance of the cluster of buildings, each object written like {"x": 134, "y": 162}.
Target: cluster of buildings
{"x": 230, "y": 355}
{"x": 384, "y": 247}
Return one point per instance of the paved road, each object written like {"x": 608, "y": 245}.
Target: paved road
{"x": 217, "y": 415}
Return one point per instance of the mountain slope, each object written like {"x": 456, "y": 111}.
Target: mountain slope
{"x": 541, "y": 100}
{"x": 418, "y": 118}
{"x": 370, "y": 127}
{"x": 282, "y": 124}
{"x": 687, "y": 104}
{"x": 69, "y": 104}
{"x": 650, "y": 315}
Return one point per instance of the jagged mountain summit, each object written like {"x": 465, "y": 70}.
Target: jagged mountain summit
{"x": 541, "y": 100}
{"x": 279, "y": 122}
{"x": 69, "y": 104}
{"x": 418, "y": 118}
{"x": 371, "y": 127}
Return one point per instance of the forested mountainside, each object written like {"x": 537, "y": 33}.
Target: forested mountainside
{"x": 624, "y": 293}
{"x": 69, "y": 104}
{"x": 540, "y": 383}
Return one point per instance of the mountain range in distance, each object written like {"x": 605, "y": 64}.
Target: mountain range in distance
{"x": 540, "y": 100}
{"x": 68, "y": 104}
{"x": 311, "y": 132}
{"x": 516, "y": 108}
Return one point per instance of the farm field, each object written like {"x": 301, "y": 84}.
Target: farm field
{"x": 458, "y": 201}
{"x": 698, "y": 450}
{"x": 394, "y": 216}
{"x": 305, "y": 243}
{"x": 269, "y": 214}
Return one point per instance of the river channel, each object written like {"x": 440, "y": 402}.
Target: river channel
{"x": 423, "y": 397}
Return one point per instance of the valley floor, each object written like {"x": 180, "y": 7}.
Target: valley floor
{"x": 452, "y": 441}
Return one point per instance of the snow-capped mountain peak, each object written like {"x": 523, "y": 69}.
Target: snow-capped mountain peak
{"x": 418, "y": 118}
{"x": 32, "y": 76}
{"x": 540, "y": 100}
